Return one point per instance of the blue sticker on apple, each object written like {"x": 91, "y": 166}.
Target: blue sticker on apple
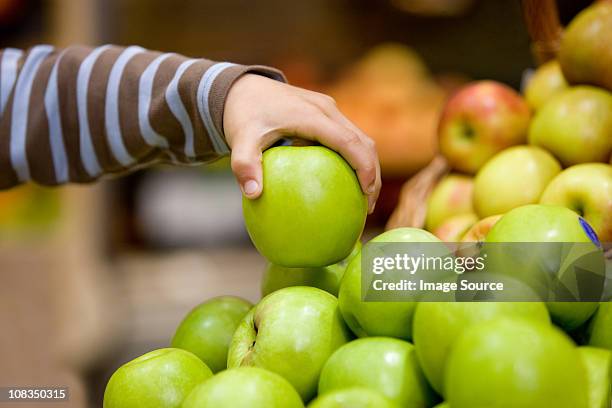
{"x": 589, "y": 231}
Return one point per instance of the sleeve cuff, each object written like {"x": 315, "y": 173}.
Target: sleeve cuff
{"x": 212, "y": 93}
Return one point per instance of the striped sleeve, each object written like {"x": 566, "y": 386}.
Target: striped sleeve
{"x": 78, "y": 114}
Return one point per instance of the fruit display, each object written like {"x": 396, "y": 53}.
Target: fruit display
{"x": 530, "y": 169}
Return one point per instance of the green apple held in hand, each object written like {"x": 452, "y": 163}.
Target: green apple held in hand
{"x": 383, "y": 364}
{"x": 312, "y": 210}
{"x": 515, "y": 177}
{"x": 354, "y": 397}
{"x": 324, "y": 277}
{"x": 244, "y": 387}
{"x": 291, "y": 332}
{"x": 544, "y": 223}
{"x": 575, "y": 126}
{"x": 208, "y": 329}
{"x": 454, "y": 228}
{"x": 598, "y": 363}
{"x": 600, "y": 327}
{"x": 480, "y": 120}
{"x": 546, "y": 82}
{"x": 393, "y": 319}
{"x": 586, "y": 189}
{"x": 585, "y": 52}
{"x": 158, "y": 379}
{"x": 509, "y": 363}
{"x": 438, "y": 324}
{"x": 451, "y": 196}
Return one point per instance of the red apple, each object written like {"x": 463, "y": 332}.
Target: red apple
{"x": 480, "y": 120}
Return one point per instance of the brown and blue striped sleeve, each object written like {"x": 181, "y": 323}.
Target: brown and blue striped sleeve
{"x": 80, "y": 113}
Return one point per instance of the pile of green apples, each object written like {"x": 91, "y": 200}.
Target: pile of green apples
{"x": 312, "y": 340}
{"x": 526, "y": 171}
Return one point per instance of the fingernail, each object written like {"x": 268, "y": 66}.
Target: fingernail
{"x": 371, "y": 188}
{"x": 250, "y": 187}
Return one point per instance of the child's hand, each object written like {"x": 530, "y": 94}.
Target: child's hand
{"x": 259, "y": 111}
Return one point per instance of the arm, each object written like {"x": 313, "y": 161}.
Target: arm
{"x": 77, "y": 114}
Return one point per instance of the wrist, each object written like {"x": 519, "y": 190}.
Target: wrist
{"x": 237, "y": 93}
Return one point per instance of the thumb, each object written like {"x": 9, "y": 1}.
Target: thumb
{"x": 246, "y": 165}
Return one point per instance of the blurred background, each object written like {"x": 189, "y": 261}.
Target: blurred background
{"x": 92, "y": 276}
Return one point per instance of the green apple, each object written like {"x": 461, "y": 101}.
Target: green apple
{"x": 354, "y": 397}
{"x": 383, "y": 364}
{"x": 208, "y": 329}
{"x": 585, "y": 53}
{"x": 393, "y": 319}
{"x": 479, "y": 231}
{"x": 291, "y": 332}
{"x": 442, "y": 405}
{"x": 543, "y": 223}
{"x": 455, "y": 227}
{"x": 598, "y": 363}
{"x": 312, "y": 209}
{"x": 586, "y": 189}
{"x": 324, "y": 277}
{"x": 600, "y": 328}
{"x": 480, "y": 120}
{"x": 159, "y": 379}
{"x": 575, "y": 126}
{"x": 437, "y": 325}
{"x": 517, "y": 176}
{"x": 509, "y": 363}
{"x": 451, "y": 196}
{"x": 546, "y": 82}
{"x": 244, "y": 387}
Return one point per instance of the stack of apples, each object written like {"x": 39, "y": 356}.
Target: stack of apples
{"x": 552, "y": 146}
{"x": 526, "y": 171}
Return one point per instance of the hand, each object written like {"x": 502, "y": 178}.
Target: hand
{"x": 259, "y": 111}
